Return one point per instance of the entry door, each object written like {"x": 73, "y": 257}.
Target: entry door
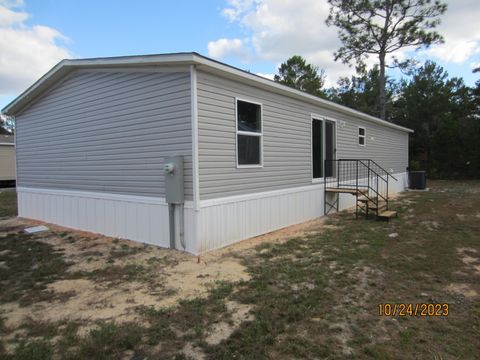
{"x": 323, "y": 148}
{"x": 330, "y": 148}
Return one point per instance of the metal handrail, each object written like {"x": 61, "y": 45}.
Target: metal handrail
{"x": 345, "y": 174}
{"x": 371, "y": 161}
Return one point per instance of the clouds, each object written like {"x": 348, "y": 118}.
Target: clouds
{"x": 461, "y": 32}
{"x": 27, "y": 51}
{"x": 275, "y": 30}
{"x": 223, "y": 48}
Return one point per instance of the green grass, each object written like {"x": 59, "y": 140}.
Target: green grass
{"x": 312, "y": 297}
{"x": 33, "y": 350}
{"x": 29, "y": 266}
{"x": 8, "y": 203}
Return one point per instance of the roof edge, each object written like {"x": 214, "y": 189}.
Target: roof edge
{"x": 288, "y": 91}
{"x": 192, "y": 58}
{"x": 67, "y": 65}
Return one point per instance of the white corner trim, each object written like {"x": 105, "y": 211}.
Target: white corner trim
{"x": 16, "y": 158}
{"x": 101, "y": 196}
{"x": 194, "y": 109}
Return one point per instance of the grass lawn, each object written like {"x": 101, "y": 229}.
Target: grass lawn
{"x": 314, "y": 296}
{"x": 8, "y": 204}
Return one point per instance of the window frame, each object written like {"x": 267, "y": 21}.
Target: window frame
{"x": 248, "y": 133}
{"x": 323, "y": 119}
{"x": 364, "y": 136}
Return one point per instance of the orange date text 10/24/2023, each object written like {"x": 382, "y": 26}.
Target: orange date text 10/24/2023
{"x": 421, "y": 309}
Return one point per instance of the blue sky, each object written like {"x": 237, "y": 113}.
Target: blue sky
{"x": 252, "y": 34}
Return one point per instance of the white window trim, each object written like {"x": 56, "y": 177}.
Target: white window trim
{"x": 364, "y": 136}
{"x": 323, "y": 119}
{"x": 249, "y": 133}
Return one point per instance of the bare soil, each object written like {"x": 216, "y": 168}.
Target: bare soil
{"x": 309, "y": 291}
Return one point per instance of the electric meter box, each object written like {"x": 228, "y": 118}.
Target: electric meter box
{"x": 174, "y": 187}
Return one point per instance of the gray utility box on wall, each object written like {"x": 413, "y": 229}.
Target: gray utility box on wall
{"x": 174, "y": 188}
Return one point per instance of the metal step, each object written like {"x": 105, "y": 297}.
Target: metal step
{"x": 373, "y": 206}
{"x": 345, "y": 191}
{"x": 388, "y": 214}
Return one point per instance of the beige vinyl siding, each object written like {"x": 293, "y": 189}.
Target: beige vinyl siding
{"x": 286, "y": 140}
{"x": 107, "y": 131}
{"x": 7, "y": 162}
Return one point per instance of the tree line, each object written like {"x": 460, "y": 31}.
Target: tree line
{"x": 443, "y": 111}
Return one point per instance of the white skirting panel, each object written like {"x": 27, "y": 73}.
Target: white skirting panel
{"x": 217, "y": 222}
{"x": 228, "y": 220}
{"x": 400, "y": 185}
{"x": 143, "y": 219}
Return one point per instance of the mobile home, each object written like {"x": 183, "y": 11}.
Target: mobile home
{"x": 7, "y": 159}
{"x": 181, "y": 150}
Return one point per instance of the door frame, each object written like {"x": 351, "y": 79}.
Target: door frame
{"x": 323, "y": 119}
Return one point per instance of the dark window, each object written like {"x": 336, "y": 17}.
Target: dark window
{"x": 361, "y": 136}
{"x": 249, "y": 133}
{"x": 248, "y": 117}
{"x": 248, "y": 150}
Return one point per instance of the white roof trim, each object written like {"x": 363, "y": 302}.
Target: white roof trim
{"x": 66, "y": 66}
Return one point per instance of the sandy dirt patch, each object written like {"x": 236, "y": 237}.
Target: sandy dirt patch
{"x": 222, "y": 330}
{"x": 462, "y": 289}
{"x": 169, "y": 276}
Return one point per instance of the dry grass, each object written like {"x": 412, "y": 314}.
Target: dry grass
{"x": 310, "y": 291}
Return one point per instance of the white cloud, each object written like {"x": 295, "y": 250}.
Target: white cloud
{"x": 222, "y": 48}
{"x": 9, "y": 17}
{"x": 236, "y": 8}
{"x": 461, "y": 32}
{"x": 279, "y": 29}
{"x": 455, "y": 52}
{"x": 12, "y": 3}
{"x": 27, "y": 52}
{"x": 266, "y": 75}
{"x": 474, "y": 65}
{"x": 276, "y": 30}
{"x": 460, "y": 29}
